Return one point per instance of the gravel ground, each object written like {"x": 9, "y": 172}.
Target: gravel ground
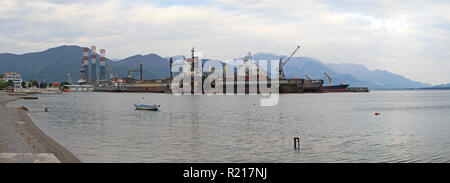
{"x": 21, "y": 141}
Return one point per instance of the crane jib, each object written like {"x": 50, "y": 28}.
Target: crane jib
{"x": 289, "y": 58}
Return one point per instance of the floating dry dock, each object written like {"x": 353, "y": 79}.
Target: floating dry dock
{"x": 357, "y": 89}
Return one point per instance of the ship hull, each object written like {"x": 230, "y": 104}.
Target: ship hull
{"x": 285, "y": 86}
{"x": 335, "y": 88}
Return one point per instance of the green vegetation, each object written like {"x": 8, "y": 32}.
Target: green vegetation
{"x": 32, "y": 83}
{"x": 4, "y": 84}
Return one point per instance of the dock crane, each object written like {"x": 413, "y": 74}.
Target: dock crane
{"x": 282, "y": 64}
{"x": 309, "y": 78}
{"x": 328, "y": 76}
{"x": 247, "y": 58}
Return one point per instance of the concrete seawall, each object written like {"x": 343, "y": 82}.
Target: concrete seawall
{"x": 21, "y": 141}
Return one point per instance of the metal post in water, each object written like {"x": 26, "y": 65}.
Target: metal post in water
{"x": 296, "y": 143}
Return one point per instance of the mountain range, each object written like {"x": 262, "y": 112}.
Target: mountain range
{"x": 54, "y": 64}
{"x": 441, "y": 86}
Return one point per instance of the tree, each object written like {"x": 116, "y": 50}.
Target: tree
{"x": 33, "y": 83}
{"x": 22, "y": 84}
{"x": 43, "y": 84}
{"x": 3, "y": 84}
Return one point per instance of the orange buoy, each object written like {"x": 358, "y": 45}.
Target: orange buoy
{"x": 377, "y": 113}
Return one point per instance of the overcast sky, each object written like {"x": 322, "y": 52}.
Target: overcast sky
{"x": 411, "y": 38}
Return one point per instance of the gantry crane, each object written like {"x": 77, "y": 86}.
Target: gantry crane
{"x": 282, "y": 64}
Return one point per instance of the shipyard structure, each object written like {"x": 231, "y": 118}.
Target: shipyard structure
{"x": 187, "y": 76}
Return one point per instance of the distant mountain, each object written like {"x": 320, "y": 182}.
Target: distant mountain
{"x": 441, "y": 86}
{"x": 54, "y": 64}
{"x": 377, "y": 79}
{"x": 301, "y": 66}
{"x": 177, "y": 58}
{"x": 155, "y": 67}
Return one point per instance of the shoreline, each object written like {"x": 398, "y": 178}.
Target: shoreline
{"x": 22, "y": 141}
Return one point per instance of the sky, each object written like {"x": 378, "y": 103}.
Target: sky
{"x": 410, "y": 38}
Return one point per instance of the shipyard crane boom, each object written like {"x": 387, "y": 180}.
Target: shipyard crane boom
{"x": 328, "y": 76}
{"x": 309, "y": 78}
{"x": 282, "y": 64}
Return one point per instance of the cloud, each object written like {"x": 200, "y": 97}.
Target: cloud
{"x": 406, "y": 37}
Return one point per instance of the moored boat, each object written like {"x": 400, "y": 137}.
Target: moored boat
{"x": 153, "y": 107}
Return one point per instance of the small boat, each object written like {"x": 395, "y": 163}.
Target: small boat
{"x": 146, "y": 107}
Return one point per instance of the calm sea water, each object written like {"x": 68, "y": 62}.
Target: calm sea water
{"x": 414, "y": 126}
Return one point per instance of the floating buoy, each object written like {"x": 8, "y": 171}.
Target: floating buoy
{"x": 377, "y": 113}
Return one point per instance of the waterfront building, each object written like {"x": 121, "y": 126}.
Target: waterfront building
{"x": 16, "y": 78}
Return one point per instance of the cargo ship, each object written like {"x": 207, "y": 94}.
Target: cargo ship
{"x": 334, "y": 88}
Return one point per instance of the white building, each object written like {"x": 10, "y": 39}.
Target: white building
{"x": 16, "y": 78}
